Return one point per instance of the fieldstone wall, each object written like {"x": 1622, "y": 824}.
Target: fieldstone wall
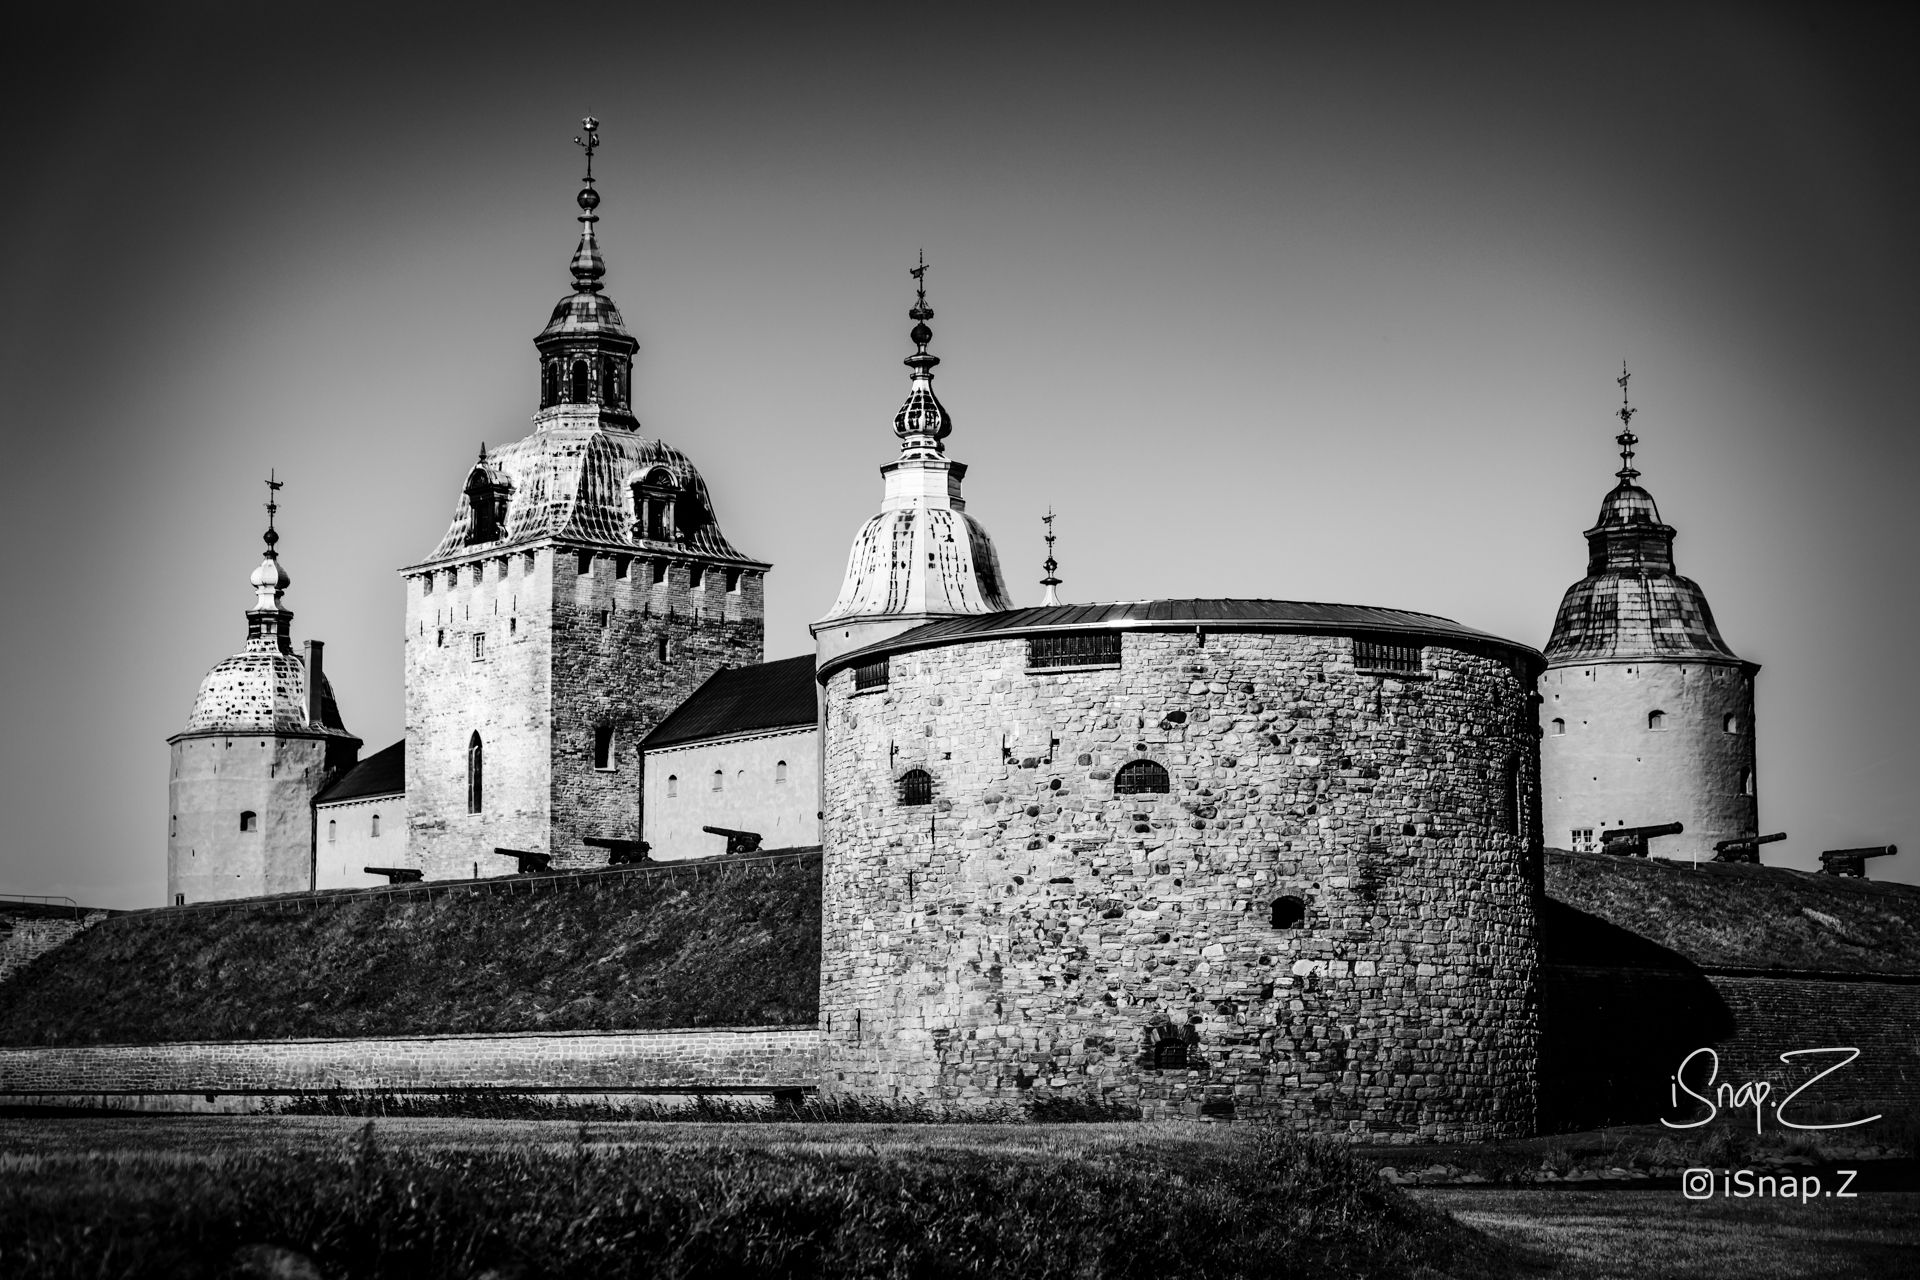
{"x": 25, "y": 938}
{"x": 1032, "y": 930}
{"x": 193, "y": 1076}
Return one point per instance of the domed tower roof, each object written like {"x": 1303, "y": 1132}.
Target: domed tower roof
{"x": 263, "y": 688}
{"x": 1632, "y": 603}
{"x": 922, "y": 556}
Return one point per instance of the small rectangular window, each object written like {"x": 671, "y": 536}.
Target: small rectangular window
{"x": 440, "y": 639}
{"x": 1074, "y": 649}
{"x": 1378, "y": 655}
{"x": 659, "y": 572}
{"x": 620, "y": 566}
{"x": 586, "y": 563}
{"x": 1583, "y": 841}
{"x": 479, "y": 644}
{"x": 870, "y": 675}
{"x": 696, "y": 575}
{"x": 733, "y": 580}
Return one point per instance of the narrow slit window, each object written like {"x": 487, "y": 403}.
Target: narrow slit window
{"x": 374, "y": 827}
{"x": 331, "y": 830}
{"x": 476, "y": 773}
{"x": 673, "y": 785}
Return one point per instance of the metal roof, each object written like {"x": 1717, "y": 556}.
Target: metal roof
{"x": 772, "y": 695}
{"x": 1286, "y": 616}
{"x": 384, "y": 773}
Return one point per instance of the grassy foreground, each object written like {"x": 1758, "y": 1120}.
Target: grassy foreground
{"x": 1263, "y": 1205}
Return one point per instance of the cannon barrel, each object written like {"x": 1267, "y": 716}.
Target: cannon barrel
{"x": 737, "y": 841}
{"x": 1866, "y": 851}
{"x": 1747, "y": 842}
{"x": 1645, "y": 833}
{"x": 729, "y": 831}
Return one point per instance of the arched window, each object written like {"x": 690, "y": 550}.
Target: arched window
{"x": 580, "y": 390}
{"x": 603, "y": 746}
{"x": 609, "y": 380}
{"x": 550, "y": 383}
{"x": 779, "y": 770}
{"x": 375, "y": 828}
{"x": 916, "y": 787}
{"x": 487, "y": 501}
{"x": 249, "y": 820}
{"x": 331, "y": 830}
{"x": 1559, "y": 727}
{"x": 1140, "y": 778}
{"x": 476, "y": 773}
{"x": 673, "y": 785}
{"x": 1731, "y": 724}
{"x": 1656, "y": 719}
{"x": 719, "y": 779}
{"x": 1288, "y": 912}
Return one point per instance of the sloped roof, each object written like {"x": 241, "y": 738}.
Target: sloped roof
{"x": 384, "y": 773}
{"x": 773, "y": 695}
{"x": 1300, "y": 616}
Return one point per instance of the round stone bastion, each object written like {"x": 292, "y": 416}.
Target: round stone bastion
{"x": 1213, "y": 858}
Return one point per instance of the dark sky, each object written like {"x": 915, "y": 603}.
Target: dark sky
{"x": 1314, "y": 308}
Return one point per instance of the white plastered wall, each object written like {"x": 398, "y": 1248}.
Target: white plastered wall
{"x": 680, "y": 797}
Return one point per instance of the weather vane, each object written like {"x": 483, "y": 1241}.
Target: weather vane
{"x": 588, "y": 140}
{"x": 1050, "y": 564}
{"x": 273, "y": 492}
{"x": 919, "y": 275}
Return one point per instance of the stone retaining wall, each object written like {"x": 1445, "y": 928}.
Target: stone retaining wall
{"x": 24, "y": 939}
{"x": 184, "y": 1076}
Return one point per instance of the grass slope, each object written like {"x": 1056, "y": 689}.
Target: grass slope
{"x": 1745, "y": 916}
{"x": 740, "y": 948}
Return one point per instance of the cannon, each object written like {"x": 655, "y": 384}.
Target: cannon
{"x": 1631, "y": 842}
{"x": 737, "y": 841}
{"x": 396, "y": 875}
{"x": 531, "y": 862}
{"x": 620, "y": 852}
{"x": 1744, "y": 848}
{"x": 1853, "y": 862}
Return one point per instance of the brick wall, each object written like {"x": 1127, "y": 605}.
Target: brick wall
{"x": 1026, "y": 930}
{"x": 740, "y": 1059}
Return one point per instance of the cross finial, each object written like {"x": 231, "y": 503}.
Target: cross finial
{"x": 588, "y": 140}
{"x": 1626, "y": 439}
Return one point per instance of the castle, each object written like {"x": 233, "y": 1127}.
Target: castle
{"x": 1288, "y": 842}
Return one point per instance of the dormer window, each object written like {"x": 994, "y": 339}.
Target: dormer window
{"x": 580, "y": 384}
{"x": 487, "y": 508}
{"x": 653, "y": 504}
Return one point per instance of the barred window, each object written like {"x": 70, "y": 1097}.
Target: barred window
{"x": 1074, "y": 649}
{"x": 870, "y": 675}
{"x": 1141, "y": 777}
{"x": 1378, "y": 655}
{"x": 916, "y": 787}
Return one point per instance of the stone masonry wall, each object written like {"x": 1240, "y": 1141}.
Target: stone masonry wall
{"x": 740, "y": 1059}
{"x": 23, "y": 939}
{"x": 1031, "y": 930}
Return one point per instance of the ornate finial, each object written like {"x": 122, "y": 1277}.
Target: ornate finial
{"x": 1626, "y": 439}
{"x": 587, "y": 264}
{"x": 272, "y": 535}
{"x": 588, "y": 140}
{"x": 1049, "y": 564}
{"x": 922, "y": 422}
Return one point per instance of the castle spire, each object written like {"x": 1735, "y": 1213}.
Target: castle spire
{"x": 267, "y": 620}
{"x": 588, "y": 267}
{"x": 1626, "y": 439}
{"x": 1051, "y": 565}
{"x": 923, "y": 422}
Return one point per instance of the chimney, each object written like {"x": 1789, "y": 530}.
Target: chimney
{"x": 310, "y": 651}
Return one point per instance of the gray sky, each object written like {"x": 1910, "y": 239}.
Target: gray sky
{"x": 1323, "y": 309}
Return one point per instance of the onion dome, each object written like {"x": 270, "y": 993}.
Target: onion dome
{"x": 1632, "y": 603}
{"x": 263, "y": 688}
{"x": 923, "y": 422}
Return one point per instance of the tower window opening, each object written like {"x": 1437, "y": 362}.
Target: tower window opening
{"x": 916, "y": 787}
{"x": 374, "y": 827}
{"x": 1377, "y": 655}
{"x": 719, "y": 779}
{"x": 332, "y": 830}
{"x": 1656, "y": 719}
{"x": 696, "y": 576}
{"x": 586, "y": 563}
{"x": 528, "y": 561}
{"x": 513, "y": 626}
{"x": 549, "y": 383}
{"x": 479, "y": 644}
{"x": 173, "y": 825}
{"x": 1746, "y": 787}
{"x": 660, "y": 649}
{"x": 249, "y": 820}
{"x": 580, "y": 392}
{"x": 1559, "y": 727}
{"x": 603, "y": 746}
{"x": 870, "y": 675}
{"x": 1731, "y": 724}
{"x": 673, "y": 785}
{"x": 179, "y": 899}
{"x": 476, "y": 773}
{"x": 733, "y": 581}
{"x": 440, "y": 639}
{"x": 1074, "y": 649}
{"x": 1142, "y": 778}
{"x": 779, "y": 770}
{"x": 659, "y": 572}
{"x": 621, "y": 564}
{"x": 609, "y": 385}
{"x": 1288, "y": 912}
{"x": 605, "y": 618}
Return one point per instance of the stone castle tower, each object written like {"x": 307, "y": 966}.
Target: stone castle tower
{"x": 582, "y": 592}
{"x": 1647, "y": 715}
{"x": 263, "y": 737}
{"x": 922, "y": 557}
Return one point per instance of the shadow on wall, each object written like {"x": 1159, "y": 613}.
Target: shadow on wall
{"x": 1618, "y": 1014}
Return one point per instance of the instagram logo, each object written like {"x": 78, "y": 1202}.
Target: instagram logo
{"x": 1697, "y": 1184}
